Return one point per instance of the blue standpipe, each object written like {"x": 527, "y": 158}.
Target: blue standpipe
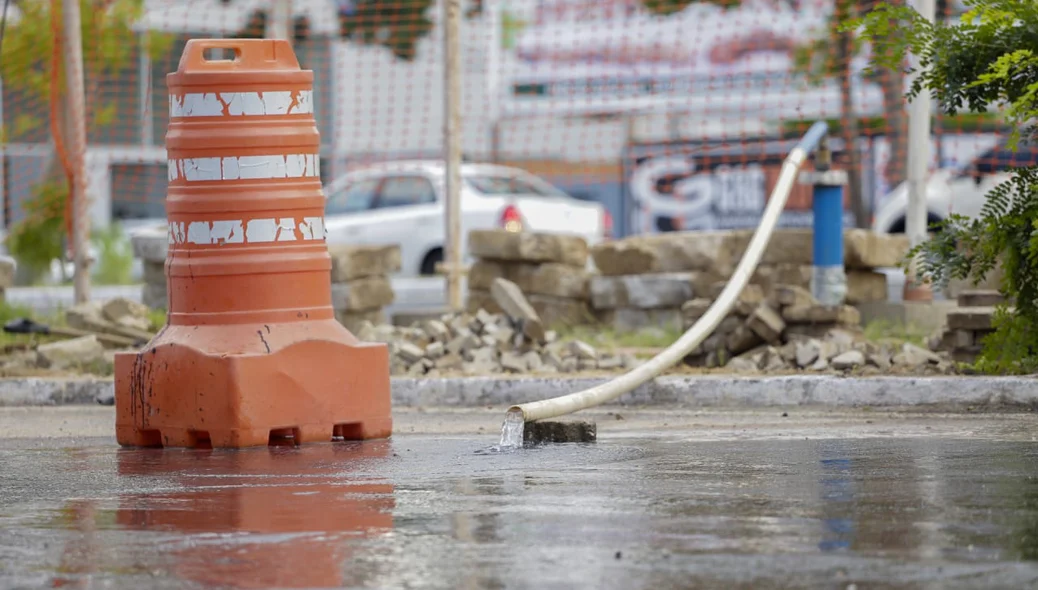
{"x": 828, "y": 277}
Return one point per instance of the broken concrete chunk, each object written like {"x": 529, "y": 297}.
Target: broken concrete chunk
{"x": 437, "y": 330}
{"x": 767, "y": 323}
{"x": 583, "y": 350}
{"x": 511, "y": 299}
{"x": 514, "y": 362}
{"x": 742, "y": 339}
{"x": 435, "y": 350}
{"x": 793, "y": 296}
{"x": 410, "y": 353}
{"x": 848, "y": 360}
{"x": 694, "y": 309}
{"x": 808, "y": 352}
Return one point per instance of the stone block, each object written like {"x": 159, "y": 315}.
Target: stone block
{"x": 713, "y": 251}
{"x": 980, "y": 298}
{"x": 550, "y": 278}
{"x": 362, "y": 294}
{"x": 751, "y": 294}
{"x": 630, "y": 319}
{"x": 866, "y": 287}
{"x": 351, "y": 262}
{"x": 528, "y": 247}
{"x": 971, "y": 318}
{"x": 646, "y": 291}
{"x": 770, "y": 276}
{"x": 509, "y": 297}
{"x": 559, "y": 311}
{"x": 820, "y": 314}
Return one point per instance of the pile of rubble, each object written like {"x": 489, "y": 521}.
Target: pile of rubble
{"x": 789, "y": 330}
{"x": 94, "y": 333}
{"x": 483, "y": 343}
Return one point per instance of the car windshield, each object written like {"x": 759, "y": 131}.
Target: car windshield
{"x": 353, "y": 197}
{"x": 488, "y": 184}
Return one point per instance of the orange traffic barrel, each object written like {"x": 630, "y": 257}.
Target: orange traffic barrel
{"x": 251, "y": 349}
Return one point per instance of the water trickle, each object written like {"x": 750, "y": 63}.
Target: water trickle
{"x": 511, "y": 435}
{"x": 512, "y": 430}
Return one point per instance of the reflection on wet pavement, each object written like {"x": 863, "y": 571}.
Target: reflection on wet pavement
{"x": 431, "y": 512}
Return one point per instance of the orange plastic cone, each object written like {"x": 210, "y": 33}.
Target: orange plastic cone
{"x": 251, "y": 348}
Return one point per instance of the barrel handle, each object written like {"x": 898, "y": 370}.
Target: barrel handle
{"x": 267, "y": 54}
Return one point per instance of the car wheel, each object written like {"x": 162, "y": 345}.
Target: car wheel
{"x": 430, "y": 261}
{"x": 898, "y": 227}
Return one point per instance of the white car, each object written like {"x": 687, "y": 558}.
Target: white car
{"x": 963, "y": 191}
{"x": 403, "y": 203}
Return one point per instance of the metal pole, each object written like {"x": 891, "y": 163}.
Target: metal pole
{"x": 918, "y": 169}
{"x": 828, "y": 277}
{"x": 77, "y": 150}
{"x": 452, "y": 149}
{"x": 280, "y": 26}
{"x": 144, "y": 88}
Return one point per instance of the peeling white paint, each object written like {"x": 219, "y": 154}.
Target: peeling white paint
{"x": 253, "y": 231}
{"x": 212, "y": 104}
{"x": 245, "y": 168}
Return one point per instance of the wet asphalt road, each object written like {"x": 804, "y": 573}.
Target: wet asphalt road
{"x": 917, "y": 502}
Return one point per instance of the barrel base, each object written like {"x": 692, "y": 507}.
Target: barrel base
{"x": 317, "y": 384}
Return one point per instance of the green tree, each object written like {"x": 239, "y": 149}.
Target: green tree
{"x": 989, "y": 59}
{"x": 33, "y": 71}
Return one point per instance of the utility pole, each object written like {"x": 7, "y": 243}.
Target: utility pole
{"x": 75, "y": 111}
{"x": 918, "y": 171}
{"x": 452, "y": 149}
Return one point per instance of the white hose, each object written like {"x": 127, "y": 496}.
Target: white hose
{"x": 610, "y": 390}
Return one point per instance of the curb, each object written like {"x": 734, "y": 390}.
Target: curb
{"x": 716, "y": 391}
